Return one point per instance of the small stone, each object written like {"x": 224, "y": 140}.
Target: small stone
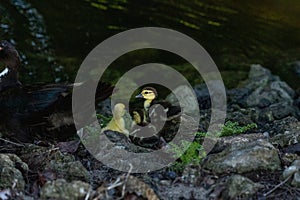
{"x": 296, "y": 163}
{"x": 266, "y": 134}
{"x": 165, "y": 182}
{"x": 289, "y": 172}
{"x": 296, "y": 179}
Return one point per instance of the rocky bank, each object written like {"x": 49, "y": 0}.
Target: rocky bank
{"x": 263, "y": 163}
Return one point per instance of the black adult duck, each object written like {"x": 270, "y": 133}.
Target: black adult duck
{"x": 40, "y": 110}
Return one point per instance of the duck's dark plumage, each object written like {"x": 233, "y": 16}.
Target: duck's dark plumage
{"x": 37, "y": 110}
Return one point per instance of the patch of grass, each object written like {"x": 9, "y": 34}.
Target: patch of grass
{"x": 104, "y": 120}
{"x": 190, "y": 156}
{"x": 233, "y": 128}
{"x": 194, "y": 153}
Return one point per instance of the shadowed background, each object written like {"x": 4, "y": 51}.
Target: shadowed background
{"x": 55, "y": 36}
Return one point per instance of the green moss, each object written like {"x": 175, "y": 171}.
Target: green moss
{"x": 190, "y": 156}
{"x": 194, "y": 153}
{"x": 233, "y": 128}
{"x": 104, "y": 120}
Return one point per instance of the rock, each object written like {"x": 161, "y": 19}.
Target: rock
{"x": 203, "y": 96}
{"x": 274, "y": 92}
{"x": 296, "y": 179}
{"x": 184, "y": 95}
{"x": 291, "y": 170}
{"x": 281, "y": 126}
{"x": 294, "y": 172}
{"x": 282, "y": 110}
{"x": 259, "y": 77}
{"x": 288, "y": 158}
{"x": 239, "y": 186}
{"x": 181, "y": 191}
{"x": 244, "y": 157}
{"x": 104, "y": 107}
{"x": 293, "y": 149}
{"x": 243, "y": 118}
{"x": 61, "y": 189}
{"x": 11, "y": 168}
{"x": 296, "y": 163}
{"x": 190, "y": 174}
{"x": 284, "y": 132}
{"x": 72, "y": 170}
{"x": 225, "y": 142}
{"x": 273, "y": 112}
{"x": 52, "y": 159}
{"x": 270, "y": 97}
{"x": 238, "y": 96}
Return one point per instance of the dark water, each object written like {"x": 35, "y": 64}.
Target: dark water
{"x": 55, "y": 36}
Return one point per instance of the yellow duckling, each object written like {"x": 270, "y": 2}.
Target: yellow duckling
{"x": 117, "y": 123}
{"x": 150, "y": 94}
{"x": 164, "y": 116}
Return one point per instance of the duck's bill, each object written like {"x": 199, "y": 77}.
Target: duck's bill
{"x": 1, "y": 48}
{"x": 139, "y": 96}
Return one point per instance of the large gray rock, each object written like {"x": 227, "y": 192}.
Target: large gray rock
{"x": 11, "y": 167}
{"x": 266, "y": 88}
{"x": 244, "y": 157}
{"x": 225, "y": 142}
{"x": 270, "y": 97}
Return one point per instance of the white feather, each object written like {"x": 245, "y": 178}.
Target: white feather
{"x": 4, "y": 72}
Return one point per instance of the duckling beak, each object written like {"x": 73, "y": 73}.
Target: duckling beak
{"x": 139, "y": 96}
{"x": 1, "y": 48}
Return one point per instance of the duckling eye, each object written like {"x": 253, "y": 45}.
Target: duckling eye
{"x": 146, "y": 92}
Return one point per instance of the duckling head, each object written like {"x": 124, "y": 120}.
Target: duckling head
{"x": 148, "y": 93}
{"x": 119, "y": 110}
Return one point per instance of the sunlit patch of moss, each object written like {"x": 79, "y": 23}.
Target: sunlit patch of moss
{"x": 214, "y": 23}
{"x": 122, "y": 1}
{"x": 191, "y": 15}
{"x": 112, "y": 27}
{"x": 99, "y": 6}
{"x": 117, "y": 7}
{"x": 190, "y": 25}
{"x": 221, "y": 9}
{"x": 103, "y": 1}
